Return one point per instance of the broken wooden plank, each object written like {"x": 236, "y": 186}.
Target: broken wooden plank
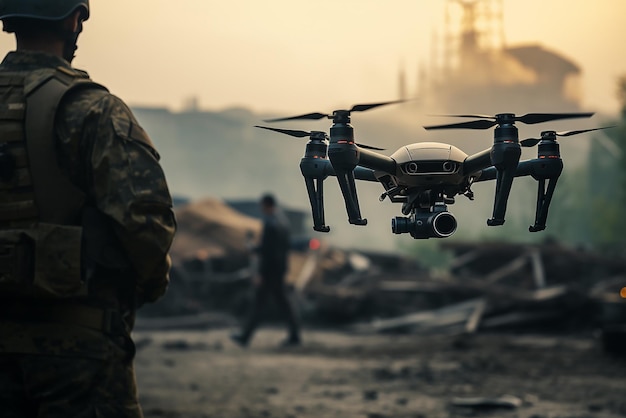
{"x": 519, "y": 318}
{"x": 411, "y": 286}
{"x": 468, "y": 257}
{"x": 508, "y": 269}
{"x": 474, "y": 320}
{"x": 539, "y": 273}
{"x": 500, "y": 292}
{"x": 545, "y": 294}
{"x": 436, "y": 318}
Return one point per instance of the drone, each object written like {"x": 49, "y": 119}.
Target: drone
{"x": 425, "y": 177}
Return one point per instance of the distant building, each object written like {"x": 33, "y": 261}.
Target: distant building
{"x": 472, "y": 68}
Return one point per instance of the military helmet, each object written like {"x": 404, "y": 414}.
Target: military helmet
{"x": 42, "y": 9}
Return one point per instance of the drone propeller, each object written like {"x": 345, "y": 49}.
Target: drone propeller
{"x": 290, "y": 132}
{"x": 551, "y": 135}
{"x": 312, "y": 135}
{"x": 486, "y": 122}
{"x": 307, "y": 116}
{"x": 316, "y": 116}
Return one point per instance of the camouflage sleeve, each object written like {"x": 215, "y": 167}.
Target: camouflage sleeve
{"x": 127, "y": 184}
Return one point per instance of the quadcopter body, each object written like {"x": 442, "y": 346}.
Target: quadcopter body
{"x": 429, "y": 164}
{"x": 425, "y": 177}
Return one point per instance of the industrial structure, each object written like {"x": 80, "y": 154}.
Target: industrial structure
{"x": 471, "y": 64}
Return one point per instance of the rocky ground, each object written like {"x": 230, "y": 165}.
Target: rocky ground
{"x": 201, "y": 374}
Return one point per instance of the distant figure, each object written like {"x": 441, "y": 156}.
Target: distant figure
{"x": 273, "y": 253}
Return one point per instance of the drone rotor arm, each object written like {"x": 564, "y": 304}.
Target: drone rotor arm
{"x": 376, "y": 161}
{"x": 365, "y": 174}
{"x": 524, "y": 168}
{"x": 487, "y": 174}
{"x": 477, "y": 162}
{"x": 364, "y": 146}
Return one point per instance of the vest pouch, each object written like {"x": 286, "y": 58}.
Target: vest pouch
{"x": 42, "y": 262}
{"x": 17, "y": 254}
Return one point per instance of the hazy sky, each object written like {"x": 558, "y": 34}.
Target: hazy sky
{"x": 300, "y": 55}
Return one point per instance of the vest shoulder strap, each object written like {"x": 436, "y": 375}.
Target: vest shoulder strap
{"x": 58, "y": 200}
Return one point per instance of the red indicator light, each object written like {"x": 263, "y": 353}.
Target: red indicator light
{"x": 314, "y": 244}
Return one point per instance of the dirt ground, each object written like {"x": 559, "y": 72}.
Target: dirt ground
{"x": 201, "y": 374}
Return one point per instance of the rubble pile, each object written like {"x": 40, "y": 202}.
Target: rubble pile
{"x": 487, "y": 286}
{"x": 510, "y": 287}
{"x": 211, "y": 229}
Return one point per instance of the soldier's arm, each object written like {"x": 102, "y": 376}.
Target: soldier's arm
{"x": 127, "y": 184}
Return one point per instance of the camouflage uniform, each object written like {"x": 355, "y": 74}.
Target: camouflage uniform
{"x": 53, "y": 363}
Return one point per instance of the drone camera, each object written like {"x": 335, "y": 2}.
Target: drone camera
{"x": 441, "y": 224}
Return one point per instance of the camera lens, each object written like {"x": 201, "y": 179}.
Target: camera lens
{"x": 401, "y": 225}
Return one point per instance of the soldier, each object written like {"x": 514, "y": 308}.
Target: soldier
{"x": 86, "y": 223}
{"x": 273, "y": 255}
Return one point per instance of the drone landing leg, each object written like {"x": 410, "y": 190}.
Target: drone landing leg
{"x": 505, "y": 157}
{"x": 315, "y": 189}
{"x": 348, "y": 189}
{"x": 504, "y": 181}
{"x": 544, "y": 197}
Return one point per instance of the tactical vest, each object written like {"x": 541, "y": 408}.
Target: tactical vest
{"x": 40, "y": 209}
